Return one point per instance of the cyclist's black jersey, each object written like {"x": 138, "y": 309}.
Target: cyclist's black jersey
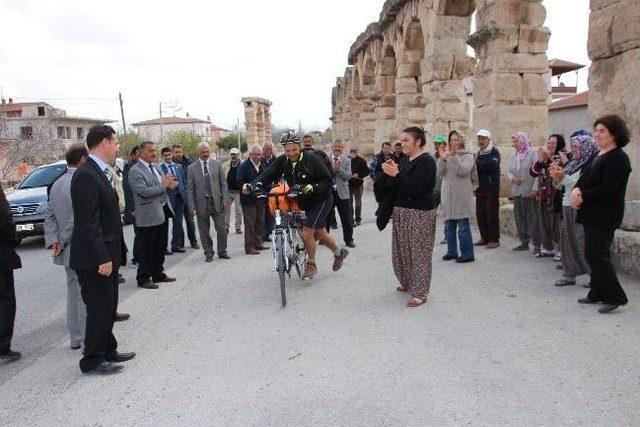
{"x": 308, "y": 170}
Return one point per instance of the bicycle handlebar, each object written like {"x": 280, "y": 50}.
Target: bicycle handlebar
{"x": 259, "y": 191}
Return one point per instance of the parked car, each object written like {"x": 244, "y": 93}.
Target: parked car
{"x": 29, "y": 200}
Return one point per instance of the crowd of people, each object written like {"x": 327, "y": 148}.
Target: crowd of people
{"x": 568, "y": 201}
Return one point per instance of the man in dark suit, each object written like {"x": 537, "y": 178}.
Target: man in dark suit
{"x": 177, "y": 196}
{"x": 153, "y": 210}
{"x": 184, "y": 161}
{"x": 128, "y": 195}
{"x": 98, "y": 250}
{"x": 252, "y": 207}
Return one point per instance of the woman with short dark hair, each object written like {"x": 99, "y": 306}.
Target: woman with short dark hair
{"x": 599, "y": 198}
{"x": 10, "y": 261}
{"x": 414, "y": 216}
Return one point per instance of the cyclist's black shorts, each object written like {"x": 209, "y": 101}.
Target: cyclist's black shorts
{"x": 316, "y": 215}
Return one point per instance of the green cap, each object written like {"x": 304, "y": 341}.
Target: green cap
{"x": 440, "y": 139}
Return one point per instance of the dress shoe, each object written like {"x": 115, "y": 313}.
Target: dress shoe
{"x": 238, "y": 231}
{"x": 224, "y": 255}
{"x": 448, "y": 257}
{"x": 120, "y": 357}
{"x": 480, "y": 243}
{"x": 105, "y": 368}
{"x": 493, "y": 245}
{"x": 75, "y": 347}
{"x": 351, "y": 244}
{"x": 587, "y": 300}
{"x": 179, "y": 250}
{"x": 608, "y": 308}
{"x": 168, "y": 252}
{"x": 195, "y": 246}
{"x": 10, "y": 356}
{"x": 208, "y": 258}
{"x": 464, "y": 260}
{"x": 164, "y": 279}
{"x": 522, "y": 247}
{"x": 148, "y": 285}
{"x": 262, "y": 248}
{"x": 253, "y": 252}
{"x": 121, "y": 317}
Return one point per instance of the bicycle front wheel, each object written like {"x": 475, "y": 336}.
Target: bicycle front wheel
{"x": 279, "y": 240}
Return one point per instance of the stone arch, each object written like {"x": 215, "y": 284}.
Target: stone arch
{"x": 386, "y": 103}
{"x": 409, "y": 102}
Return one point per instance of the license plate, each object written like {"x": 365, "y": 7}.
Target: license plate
{"x": 24, "y": 227}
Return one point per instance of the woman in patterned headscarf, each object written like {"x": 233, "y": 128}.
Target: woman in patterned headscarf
{"x": 524, "y": 204}
{"x": 583, "y": 149}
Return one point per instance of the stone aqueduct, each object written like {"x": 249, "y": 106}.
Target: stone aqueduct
{"x": 412, "y": 68}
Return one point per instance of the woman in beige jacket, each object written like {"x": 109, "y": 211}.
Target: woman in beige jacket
{"x": 456, "y": 168}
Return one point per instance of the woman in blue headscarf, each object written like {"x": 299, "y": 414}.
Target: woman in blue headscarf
{"x": 583, "y": 149}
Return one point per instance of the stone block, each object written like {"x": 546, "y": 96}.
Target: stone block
{"x": 631, "y": 221}
{"x": 385, "y": 113}
{"x": 409, "y": 70}
{"x": 514, "y": 63}
{"x": 482, "y": 90}
{"x": 511, "y": 12}
{"x": 536, "y": 89}
{"x": 449, "y": 111}
{"x": 599, "y": 41}
{"x": 625, "y": 32}
{"x": 498, "y": 87}
{"x": 409, "y": 100}
{"x": 386, "y": 84}
{"x": 599, "y": 4}
{"x": 414, "y": 56}
{"x": 368, "y": 116}
{"x": 507, "y": 220}
{"x": 504, "y": 120}
{"x": 533, "y": 39}
{"x": 448, "y": 26}
{"x": 463, "y": 67}
{"x": 438, "y": 66}
{"x": 416, "y": 115}
{"x": 406, "y": 85}
{"x": 625, "y": 252}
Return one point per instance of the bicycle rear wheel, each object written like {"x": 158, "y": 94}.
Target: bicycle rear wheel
{"x": 279, "y": 240}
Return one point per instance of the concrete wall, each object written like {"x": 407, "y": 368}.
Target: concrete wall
{"x": 565, "y": 121}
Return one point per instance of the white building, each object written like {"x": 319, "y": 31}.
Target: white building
{"x": 566, "y": 115}
{"x": 158, "y": 129}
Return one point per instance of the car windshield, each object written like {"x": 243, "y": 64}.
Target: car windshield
{"x": 43, "y": 177}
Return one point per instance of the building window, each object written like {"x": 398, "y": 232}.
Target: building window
{"x": 60, "y": 132}
{"x": 80, "y": 133}
{"x": 68, "y": 129}
{"x": 40, "y": 111}
{"x": 26, "y": 132}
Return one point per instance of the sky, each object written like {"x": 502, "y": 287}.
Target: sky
{"x": 202, "y": 57}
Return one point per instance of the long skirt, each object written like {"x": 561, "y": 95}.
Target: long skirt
{"x": 413, "y": 237}
{"x": 572, "y": 245}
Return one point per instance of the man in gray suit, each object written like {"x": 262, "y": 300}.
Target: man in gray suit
{"x": 341, "y": 165}
{"x": 152, "y": 212}
{"x": 208, "y": 198}
{"x": 58, "y": 228}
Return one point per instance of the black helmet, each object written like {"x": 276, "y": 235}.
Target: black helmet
{"x": 290, "y": 136}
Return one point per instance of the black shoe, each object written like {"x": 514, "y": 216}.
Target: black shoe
{"x": 121, "y": 279}
{"x": 608, "y": 308}
{"x": 105, "y": 368}
{"x": 168, "y": 252}
{"x": 464, "y": 260}
{"x": 179, "y": 250}
{"x": 358, "y": 223}
{"x": 587, "y": 300}
{"x": 75, "y": 347}
{"x": 448, "y": 257}
{"x": 351, "y": 244}
{"x": 164, "y": 279}
{"x": 522, "y": 247}
{"x": 120, "y": 357}
{"x": 208, "y": 258}
{"x": 121, "y": 317}
{"x": 238, "y": 231}
{"x": 148, "y": 285}
{"x": 224, "y": 256}
{"x": 195, "y": 245}
{"x": 10, "y": 356}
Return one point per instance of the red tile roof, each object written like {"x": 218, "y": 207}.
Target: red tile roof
{"x": 577, "y": 100}
{"x": 170, "y": 120}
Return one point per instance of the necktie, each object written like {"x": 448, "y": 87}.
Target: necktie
{"x": 153, "y": 172}
{"x": 207, "y": 181}
{"x": 107, "y": 172}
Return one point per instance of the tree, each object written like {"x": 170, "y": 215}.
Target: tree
{"x": 231, "y": 141}
{"x": 127, "y": 143}
{"x": 188, "y": 140}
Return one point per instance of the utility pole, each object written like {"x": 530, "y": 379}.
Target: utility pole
{"x": 160, "y": 104}
{"x": 124, "y": 125}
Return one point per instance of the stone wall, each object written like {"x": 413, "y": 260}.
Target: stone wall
{"x": 257, "y": 120}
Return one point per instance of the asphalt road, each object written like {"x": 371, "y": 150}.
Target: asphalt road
{"x": 497, "y": 344}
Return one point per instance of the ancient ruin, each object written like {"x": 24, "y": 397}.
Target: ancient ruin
{"x": 411, "y": 67}
{"x": 257, "y": 120}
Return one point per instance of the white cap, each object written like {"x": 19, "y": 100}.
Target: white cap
{"x": 485, "y": 133}
{"x": 234, "y": 151}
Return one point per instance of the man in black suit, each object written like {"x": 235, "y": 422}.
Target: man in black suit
{"x": 98, "y": 250}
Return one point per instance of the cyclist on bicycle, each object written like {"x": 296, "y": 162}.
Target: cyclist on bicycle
{"x": 306, "y": 170}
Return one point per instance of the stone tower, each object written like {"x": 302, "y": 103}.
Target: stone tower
{"x": 257, "y": 120}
